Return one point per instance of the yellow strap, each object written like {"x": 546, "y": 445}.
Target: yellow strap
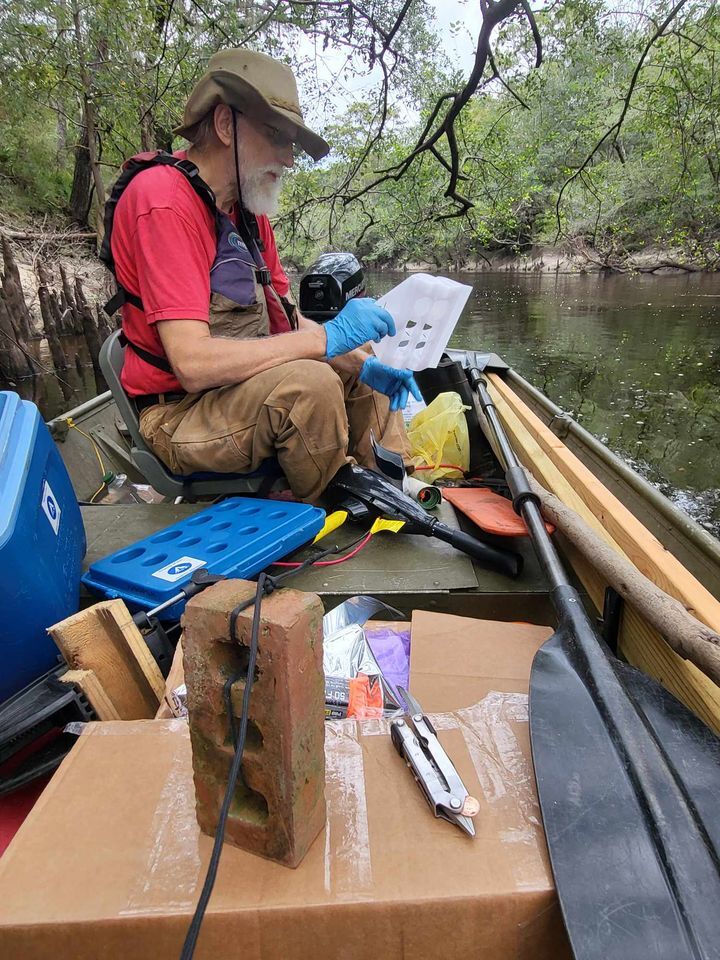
{"x": 332, "y": 522}
{"x": 392, "y": 526}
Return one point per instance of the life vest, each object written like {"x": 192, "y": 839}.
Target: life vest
{"x": 240, "y": 281}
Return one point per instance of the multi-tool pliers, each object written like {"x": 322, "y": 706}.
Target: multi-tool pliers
{"x": 415, "y": 740}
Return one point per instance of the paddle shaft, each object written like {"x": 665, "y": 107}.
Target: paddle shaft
{"x": 526, "y": 502}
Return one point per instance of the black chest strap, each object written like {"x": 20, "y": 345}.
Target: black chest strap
{"x": 131, "y": 168}
{"x": 247, "y": 223}
{"x": 154, "y": 359}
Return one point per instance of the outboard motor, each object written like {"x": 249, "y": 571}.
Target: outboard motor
{"x": 328, "y": 284}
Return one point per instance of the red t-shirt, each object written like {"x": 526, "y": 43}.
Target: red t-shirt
{"x": 163, "y": 243}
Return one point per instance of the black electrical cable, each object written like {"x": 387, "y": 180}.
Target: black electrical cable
{"x": 194, "y": 930}
{"x": 265, "y": 586}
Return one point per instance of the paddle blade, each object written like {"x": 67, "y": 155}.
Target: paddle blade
{"x": 629, "y": 783}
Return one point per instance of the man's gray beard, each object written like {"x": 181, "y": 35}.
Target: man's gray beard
{"x": 258, "y": 197}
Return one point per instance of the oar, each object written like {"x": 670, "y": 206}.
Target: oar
{"x": 628, "y": 780}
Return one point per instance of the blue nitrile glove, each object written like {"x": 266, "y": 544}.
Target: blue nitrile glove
{"x": 360, "y": 320}
{"x": 396, "y": 384}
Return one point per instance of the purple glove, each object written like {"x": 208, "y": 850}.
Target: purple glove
{"x": 396, "y": 384}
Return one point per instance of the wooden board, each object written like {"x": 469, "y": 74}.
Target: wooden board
{"x": 564, "y": 475}
{"x": 616, "y": 523}
{"x": 104, "y": 639}
{"x": 93, "y": 690}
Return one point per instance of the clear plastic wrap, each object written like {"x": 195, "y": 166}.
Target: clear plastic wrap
{"x": 354, "y": 682}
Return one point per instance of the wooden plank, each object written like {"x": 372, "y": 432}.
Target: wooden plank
{"x": 533, "y": 458}
{"x": 640, "y": 644}
{"x": 93, "y": 690}
{"x": 104, "y": 639}
{"x": 617, "y": 523}
{"x": 644, "y": 647}
{"x": 174, "y": 679}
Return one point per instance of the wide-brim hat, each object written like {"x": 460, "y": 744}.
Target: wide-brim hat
{"x": 256, "y": 85}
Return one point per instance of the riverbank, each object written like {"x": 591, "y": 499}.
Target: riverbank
{"x": 573, "y": 258}
{"x": 58, "y": 242}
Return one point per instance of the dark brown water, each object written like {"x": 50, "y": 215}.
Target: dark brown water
{"x": 636, "y": 360}
{"x": 54, "y": 391}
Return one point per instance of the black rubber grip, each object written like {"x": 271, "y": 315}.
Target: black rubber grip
{"x": 492, "y": 558}
{"x": 396, "y": 738}
{"x": 520, "y": 488}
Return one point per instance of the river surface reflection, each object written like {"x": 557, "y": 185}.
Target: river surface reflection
{"x": 636, "y": 360}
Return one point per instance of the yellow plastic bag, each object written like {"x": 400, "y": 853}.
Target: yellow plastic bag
{"x": 439, "y": 441}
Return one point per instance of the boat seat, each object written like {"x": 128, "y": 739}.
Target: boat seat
{"x": 267, "y": 477}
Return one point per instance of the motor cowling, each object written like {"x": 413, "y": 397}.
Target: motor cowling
{"x": 328, "y": 284}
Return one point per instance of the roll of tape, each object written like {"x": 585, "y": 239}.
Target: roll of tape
{"x": 426, "y": 494}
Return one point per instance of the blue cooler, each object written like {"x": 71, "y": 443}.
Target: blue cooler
{"x": 42, "y": 544}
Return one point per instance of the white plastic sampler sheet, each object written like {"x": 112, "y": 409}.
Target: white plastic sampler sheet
{"x": 425, "y": 310}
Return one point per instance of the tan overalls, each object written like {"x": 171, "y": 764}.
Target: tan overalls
{"x": 312, "y": 418}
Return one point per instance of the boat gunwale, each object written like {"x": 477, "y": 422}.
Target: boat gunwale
{"x": 701, "y": 538}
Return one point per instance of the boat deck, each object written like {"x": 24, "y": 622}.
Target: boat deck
{"x": 407, "y": 571}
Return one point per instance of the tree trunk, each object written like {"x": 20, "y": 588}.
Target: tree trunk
{"x": 80, "y": 193}
{"x": 14, "y": 363}
{"x": 62, "y": 144}
{"x": 92, "y": 337}
{"x": 14, "y": 296}
{"x": 51, "y": 332}
{"x": 147, "y": 131}
{"x": 88, "y": 113}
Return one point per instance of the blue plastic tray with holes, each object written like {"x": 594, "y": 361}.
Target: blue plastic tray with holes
{"x": 237, "y": 538}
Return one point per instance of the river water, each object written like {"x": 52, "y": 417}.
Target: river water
{"x": 636, "y": 360}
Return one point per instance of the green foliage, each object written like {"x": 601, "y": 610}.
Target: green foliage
{"x": 533, "y": 161}
{"x": 34, "y": 176}
{"x": 656, "y": 184}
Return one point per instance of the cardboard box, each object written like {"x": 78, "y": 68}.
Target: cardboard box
{"x": 110, "y": 862}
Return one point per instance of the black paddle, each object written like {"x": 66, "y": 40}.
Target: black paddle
{"x": 628, "y": 780}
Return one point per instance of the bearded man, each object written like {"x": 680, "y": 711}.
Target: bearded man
{"x": 223, "y": 369}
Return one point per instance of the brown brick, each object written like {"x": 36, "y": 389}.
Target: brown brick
{"x": 279, "y": 808}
